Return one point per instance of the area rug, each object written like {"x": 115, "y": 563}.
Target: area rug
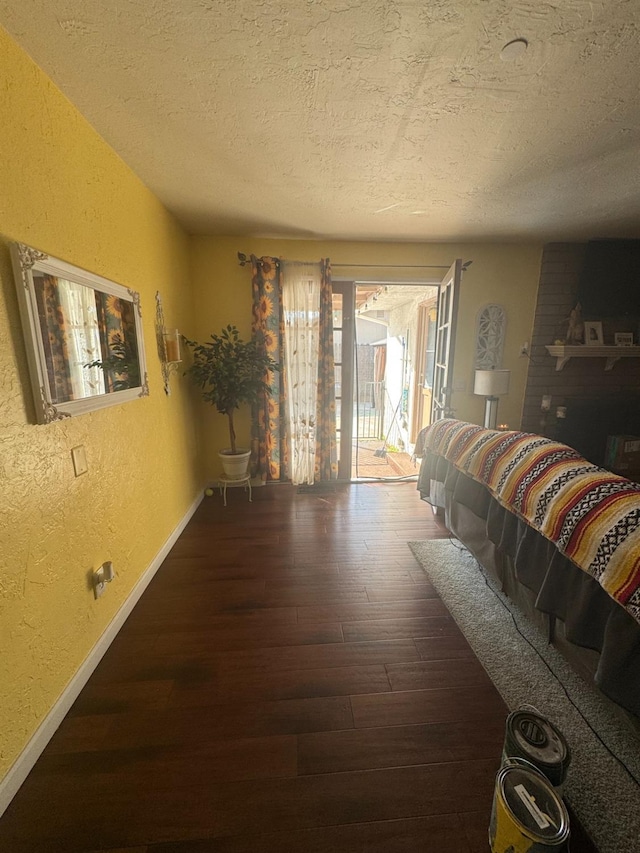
{"x": 526, "y": 670}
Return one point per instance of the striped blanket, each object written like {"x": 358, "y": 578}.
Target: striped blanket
{"x": 592, "y": 515}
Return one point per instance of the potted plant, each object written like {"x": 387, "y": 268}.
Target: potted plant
{"x": 230, "y": 372}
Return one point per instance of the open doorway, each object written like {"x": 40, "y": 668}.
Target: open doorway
{"x": 384, "y": 335}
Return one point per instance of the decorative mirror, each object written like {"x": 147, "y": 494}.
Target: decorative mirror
{"x": 83, "y": 335}
{"x": 490, "y": 333}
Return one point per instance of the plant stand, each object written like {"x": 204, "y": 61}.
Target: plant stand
{"x": 224, "y": 481}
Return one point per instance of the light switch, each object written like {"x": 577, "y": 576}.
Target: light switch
{"x": 79, "y": 460}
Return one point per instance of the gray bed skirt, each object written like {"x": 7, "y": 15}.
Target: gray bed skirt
{"x": 598, "y": 636}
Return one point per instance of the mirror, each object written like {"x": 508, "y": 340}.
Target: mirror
{"x": 83, "y": 335}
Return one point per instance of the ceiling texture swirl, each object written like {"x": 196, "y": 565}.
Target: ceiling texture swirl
{"x": 361, "y": 119}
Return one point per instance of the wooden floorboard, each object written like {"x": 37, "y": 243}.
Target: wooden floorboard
{"x": 290, "y": 681}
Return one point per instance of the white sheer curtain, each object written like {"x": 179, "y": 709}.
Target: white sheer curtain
{"x": 301, "y": 308}
{"x": 82, "y": 336}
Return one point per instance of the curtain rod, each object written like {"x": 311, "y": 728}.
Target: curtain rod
{"x": 243, "y": 260}
{"x": 399, "y": 266}
{"x": 406, "y": 266}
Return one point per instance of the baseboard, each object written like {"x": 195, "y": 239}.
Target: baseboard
{"x": 23, "y": 765}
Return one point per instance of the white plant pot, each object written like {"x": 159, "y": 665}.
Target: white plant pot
{"x": 235, "y": 465}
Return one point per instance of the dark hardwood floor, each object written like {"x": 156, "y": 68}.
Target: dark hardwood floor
{"x": 289, "y": 682}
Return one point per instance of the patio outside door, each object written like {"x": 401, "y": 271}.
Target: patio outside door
{"x": 370, "y": 408}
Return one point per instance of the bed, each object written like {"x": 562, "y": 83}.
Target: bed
{"x": 561, "y": 535}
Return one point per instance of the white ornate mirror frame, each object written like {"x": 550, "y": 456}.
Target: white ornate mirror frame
{"x": 83, "y": 336}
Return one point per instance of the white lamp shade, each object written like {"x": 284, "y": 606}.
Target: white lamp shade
{"x": 491, "y": 383}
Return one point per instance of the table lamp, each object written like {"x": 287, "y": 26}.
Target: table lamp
{"x": 491, "y": 384}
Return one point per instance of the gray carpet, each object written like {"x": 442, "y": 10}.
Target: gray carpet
{"x": 601, "y": 793}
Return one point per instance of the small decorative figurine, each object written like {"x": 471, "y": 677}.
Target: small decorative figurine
{"x": 575, "y": 331}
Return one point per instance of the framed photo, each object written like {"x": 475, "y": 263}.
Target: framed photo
{"x": 593, "y": 333}
{"x": 623, "y": 339}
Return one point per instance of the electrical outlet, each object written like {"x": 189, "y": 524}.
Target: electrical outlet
{"x": 101, "y": 577}
{"x": 99, "y": 584}
{"x": 524, "y": 349}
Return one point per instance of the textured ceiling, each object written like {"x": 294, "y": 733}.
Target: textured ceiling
{"x": 360, "y": 119}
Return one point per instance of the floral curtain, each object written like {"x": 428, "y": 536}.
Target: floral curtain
{"x": 326, "y": 461}
{"x": 89, "y": 339}
{"x": 118, "y": 342}
{"x": 294, "y": 429}
{"x": 268, "y": 436}
{"x": 52, "y": 328}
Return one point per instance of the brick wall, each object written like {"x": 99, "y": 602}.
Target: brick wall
{"x": 582, "y": 379}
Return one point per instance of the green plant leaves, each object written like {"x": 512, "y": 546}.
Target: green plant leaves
{"x": 230, "y": 371}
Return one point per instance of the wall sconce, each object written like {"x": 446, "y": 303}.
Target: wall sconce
{"x": 491, "y": 384}
{"x": 169, "y": 342}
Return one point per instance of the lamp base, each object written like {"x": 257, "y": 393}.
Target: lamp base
{"x": 490, "y": 412}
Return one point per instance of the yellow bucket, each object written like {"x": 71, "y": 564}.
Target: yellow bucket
{"x": 527, "y": 815}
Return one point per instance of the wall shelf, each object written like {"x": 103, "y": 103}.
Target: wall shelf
{"x": 563, "y": 353}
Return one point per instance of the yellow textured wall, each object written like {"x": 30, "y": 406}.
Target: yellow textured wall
{"x": 503, "y": 273}
{"x": 64, "y": 191}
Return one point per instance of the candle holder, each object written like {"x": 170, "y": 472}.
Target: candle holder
{"x": 172, "y": 342}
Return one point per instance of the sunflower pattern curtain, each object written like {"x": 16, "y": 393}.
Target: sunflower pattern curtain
{"x": 268, "y": 435}
{"x": 88, "y": 337}
{"x": 116, "y": 323}
{"x": 326, "y": 463}
{"x": 52, "y": 328}
{"x": 271, "y": 432}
